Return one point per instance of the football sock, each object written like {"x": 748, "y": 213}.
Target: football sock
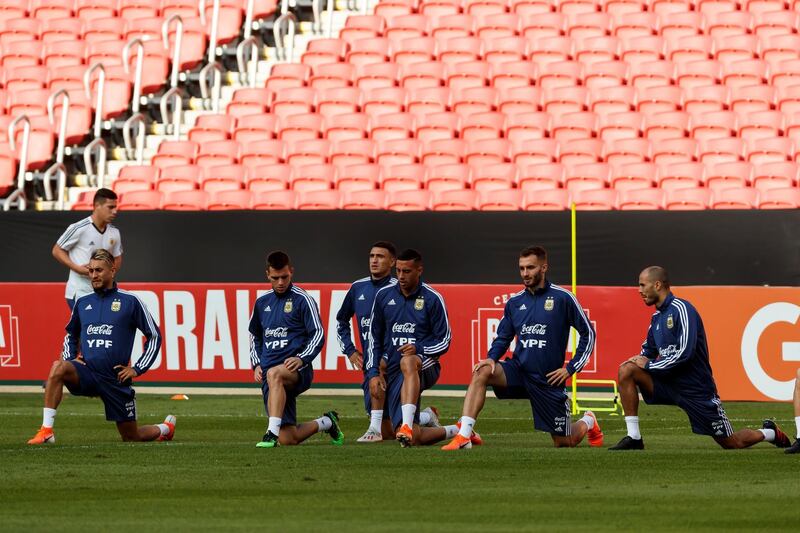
{"x": 424, "y": 418}
{"x": 466, "y": 426}
{"x": 408, "y": 410}
{"x": 588, "y": 420}
{"x": 769, "y": 434}
{"x": 274, "y": 425}
{"x": 450, "y": 431}
{"x": 163, "y": 428}
{"x": 797, "y": 423}
{"x": 633, "y": 427}
{"x": 324, "y": 423}
{"x": 375, "y": 420}
{"x": 49, "y": 417}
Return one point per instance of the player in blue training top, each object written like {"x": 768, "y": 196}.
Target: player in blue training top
{"x": 540, "y": 317}
{"x": 408, "y": 329}
{"x": 358, "y": 301}
{"x": 105, "y": 322}
{"x": 673, "y": 369}
{"x": 285, "y": 336}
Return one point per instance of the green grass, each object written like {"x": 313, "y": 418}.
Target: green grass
{"x": 212, "y": 478}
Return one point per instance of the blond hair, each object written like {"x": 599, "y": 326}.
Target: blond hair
{"x": 103, "y": 255}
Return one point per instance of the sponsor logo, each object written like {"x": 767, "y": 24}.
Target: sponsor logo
{"x": 9, "y": 338}
{"x": 88, "y": 307}
{"x": 718, "y": 427}
{"x": 408, "y": 327}
{"x": 361, "y": 298}
{"x": 670, "y": 322}
{"x": 391, "y": 302}
{"x": 280, "y": 332}
{"x": 419, "y": 303}
{"x": 102, "y": 329}
{"x": 523, "y": 307}
{"x": 668, "y": 351}
{"x": 533, "y": 329}
{"x": 131, "y": 408}
{"x": 365, "y": 323}
{"x": 287, "y": 307}
{"x": 549, "y": 303}
{"x": 116, "y": 305}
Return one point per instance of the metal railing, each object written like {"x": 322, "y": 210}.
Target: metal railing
{"x": 212, "y": 38}
{"x": 101, "y": 84}
{"x": 247, "y": 68}
{"x": 214, "y": 95}
{"x": 17, "y": 198}
{"x": 62, "y": 128}
{"x": 288, "y": 19}
{"x": 176, "y": 54}
{"x": 134, "y": 152}
{"x": 96, "y": 172}
{"x": 137, "y": 77}
{"x": 172, "y": 119}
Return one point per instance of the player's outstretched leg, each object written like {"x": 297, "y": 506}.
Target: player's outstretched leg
{"x": 130, "y": 431}
{"x": 429, "y": 417}
{"x": 795, "y": 448}
{"x": 586, "y": 426}
{"x": 292, "y": 435}
{"x": 424, "y": 436}
{"x": 631, "y": 380}
{"x": 61, "y": 373}
{"x": 744, "y": 438}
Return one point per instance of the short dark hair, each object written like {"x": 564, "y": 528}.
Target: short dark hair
{"x": 386, "y": 245}
{"x": 410, "y": 254}
{"x": 538, "y": 251}
{"x": 278, "y": 260}
{"x": 658, "y": 273}
{"x": 102, "y": 195}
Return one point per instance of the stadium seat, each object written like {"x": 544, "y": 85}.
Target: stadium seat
{"x": 735, "y": 198}
{"x": 318, "y": 200}
{"x": 402, "y": 177}
{"x": 500, "y": 200}
{"x": 595, "y": 199}
{"x": 223, "y": 178}
{"x": 185, "y": 201}
{"x": 779, "y": 198}
{"x": 687, "y": 199}
{"x": 352, "y": 152}
{"x": 313, "y": 177}
{"x": 622, "y": 151}
{"x": 546, "y": 200}
{"x": 262, "y": 152}
{"x": 543, "y": 176}
{"x": 640, "y": 199}
{"x": 141, "y": 200}
{"x": 447, "y": 177}
{"x": 178, "y": 178}
{"x": 273, "y": 200}
{"x": 367, "y": 199}
{"x": 726, "y": 175}
{"x": 678, "y": 150}
{"x": 363, "y": 176}
{"x": 268, "y": 177}
{"x": 681, "y": 175}
{"x": 587, "y": 176}
{"x": 409, "y": 200}
{"x": 229, "y": 200}
{"x": 631, "y": 176}
{"x": 454, "y": 200}
{"x": 776, "y": 175}
{"x": 722, "y": 150}
{"x": 501, "y": 176}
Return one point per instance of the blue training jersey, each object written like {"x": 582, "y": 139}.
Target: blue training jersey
{"x": 419, "y": 319}
{"x": 105, "y": 323}
{"x": 677, "y": 347}
{"x": 358, "y": 301}
{"x": 283, "y": 326}
{"x": 541, "y": 323}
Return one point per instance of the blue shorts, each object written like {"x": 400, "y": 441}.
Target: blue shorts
{"x": 289, "y": 417}
{"x": 118, "y": 399}
{"x": 707, "y": 417}
{"x": 552, "y": 412}
{"x": 394, "y": 384}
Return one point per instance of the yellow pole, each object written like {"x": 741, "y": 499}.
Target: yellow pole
{"x": 574, "y": 246}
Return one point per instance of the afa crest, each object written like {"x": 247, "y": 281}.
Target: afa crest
{"x": 670, "y": 322}
{"x": 287, "y": 307}
{"x": 419, "y": 304}
{"x": 116, "y": 305}
{"x": 549, "y": 304}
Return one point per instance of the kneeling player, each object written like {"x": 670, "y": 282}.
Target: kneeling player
{"x": 539, "y": 317}
{"x": 409, "y": 329}
{"x": 674, "y": 369}
{"x": 285, "y": 337}
{"x": 795, "y": 448}
{"x": 105, "y": 321}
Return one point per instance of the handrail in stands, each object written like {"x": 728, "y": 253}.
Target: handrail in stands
{"x": 212, "y": 38}
{"x": 247, "y": 69}
{"x": 61, "y": 183}
{"x": 216, "y": 93}
{"x": 101, "y": 87}
{"x": 172, "y": 119}
{"x": 136, "y": 152}
{"x": 176, "y": 55}
{"x": 96, "y": 177}
{"x": 18, "y": 196}
{"x": 290, "y": 21}
{"x": 62, "y": 129}
{"x": 137, "y": 77}
{"x": 248, "y": 19}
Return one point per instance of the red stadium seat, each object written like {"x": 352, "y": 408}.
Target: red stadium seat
{"x": 402, "y": 177}
{"x": 500, "y": 200}
{"x": 454, "y": 200}
{"x": 681, "y": 176}
{"x": 230, "y": 200}
{"x": 640, "y": 199}
{"x": 318, "y": 200}
{"x": 546, "y": 200}
{"x": 786, "y": 198}
{"x": 368, "y": 199}
{"x": 273, "y": 200}
{"x": 595, "y": 199}
{"x": 411, "y": 200}
{"x": 178, "y": 178}
{"x": 687, "y": 199}
{"x": 353, "y": 152}
{"x": 632, "y": 176}
{"x": 735, "y": 198}
{"x": 141, "y": 200}
{"x": 314, "y": 177}
{"x": 185, "y": 201}
{"x": 726, "y": 175}
{"x": 447, "y": 177}
{"x": 223, "y": 178}
{"x": 544, "y": 176}
{"x": 358, "y": 177}
{"x": 493, "y": 177}
{"x": 269, "y": 177}
{"x": 778, "y": 175}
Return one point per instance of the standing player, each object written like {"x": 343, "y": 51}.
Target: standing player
{"x": 105, "y": 322}
{"x": 285, "y": 337}
{"x": 358, "y": 301}
{"x": 540, "y": 317}
{"x": 409, "y": 329}
{"x": 673, "y": 369}
{"x": 74, "y": 248}
{"x": 795, "y": 448}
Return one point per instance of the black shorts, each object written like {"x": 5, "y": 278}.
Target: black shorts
{"x": 707, "y": 416}
{"x": 118, "y": 399}
{"x": 289, "y": 417}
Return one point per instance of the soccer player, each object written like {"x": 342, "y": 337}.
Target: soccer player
{"x": 795, "y": 448}
{"x": 74, "y": 248}
{"x": 409, "y": 329}
{"x": 285, "y": 336}
{"x": 105, "y": 322}
{"x": 358, "y": 301}
{"x": 539, "y": 317}
{"x": 673, "y": 369}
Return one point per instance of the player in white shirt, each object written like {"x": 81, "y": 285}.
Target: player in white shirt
{"x": 75, "y": 247}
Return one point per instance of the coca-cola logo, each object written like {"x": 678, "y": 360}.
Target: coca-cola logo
{"x": 408, "y": 327}
{"x": 279, "y": 332}
{"x": 102, "y": 329}
{"x": 534, "y": 329}
{"x": 365, "y": 322}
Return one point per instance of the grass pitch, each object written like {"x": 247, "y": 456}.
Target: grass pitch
{"x": 212, "y": 478}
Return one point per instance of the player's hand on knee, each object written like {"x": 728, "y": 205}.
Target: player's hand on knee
{"x": 258, "y": 374}
{"x": 125, "y": 374}
{"x": 357, "y": 360}
{"x": 407, "y": 350}
{"x": 293, "y": 363}
{"x": 557, "y": 377}
{"x": 485, "y": 363}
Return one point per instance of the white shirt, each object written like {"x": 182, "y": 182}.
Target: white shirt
{"x": 81, "y": 239}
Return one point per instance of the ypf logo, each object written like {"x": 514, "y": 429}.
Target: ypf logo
{"x": 790, "y": 351}
{"x": 9, "y": 338}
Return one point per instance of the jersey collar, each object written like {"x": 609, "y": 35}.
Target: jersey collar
{"x": 667, "y": 302}
{"x": 106, "y": 292}
{"x": 381, "y": 281}
{"x": 541, "y": 290}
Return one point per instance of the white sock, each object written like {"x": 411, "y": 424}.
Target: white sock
{"x": 797, "y": 423}
{"x": 274, "y": 425}
{"x": 467, "y": 424}
{"x": 633, "y": 427}
{"x": 324, "y": 423}
{"x": 408, "y": 413}
{"x": 450, "y": 431}
{"x": 424, "y": 418}
{"x": 375, "y": 420}
{"x": 769, "y": 434}
{"x": 49, "y": 417}
{"x": 163, "y": 428}
{"x": 588, "y": 420}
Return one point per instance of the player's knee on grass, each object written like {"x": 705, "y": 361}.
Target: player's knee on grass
{"x": 287, "y": 437}
{"x": 731, "y": 442}
{"x": 410, "y": 364}
{"x": 563, "y": 441}
{"x": 129, "y": 431}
